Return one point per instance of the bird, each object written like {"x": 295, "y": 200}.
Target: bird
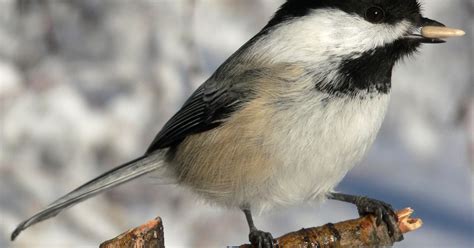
{"x": 284, "y": 119}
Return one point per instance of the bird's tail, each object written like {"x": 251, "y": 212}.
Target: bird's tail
{"x": 110, "y": 179}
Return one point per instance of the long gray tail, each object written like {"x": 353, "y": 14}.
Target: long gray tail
{"x": 110, "y": 179}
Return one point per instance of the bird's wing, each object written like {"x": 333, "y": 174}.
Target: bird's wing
{"x": 207, "y": 108}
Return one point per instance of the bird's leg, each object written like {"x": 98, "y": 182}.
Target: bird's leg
{"x": 382, "y": 211}
{"x": 257, "y": 238}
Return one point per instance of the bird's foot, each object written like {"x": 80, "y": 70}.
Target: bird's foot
{"x": 383, "y": 212}
{"x": 261, "y": 239}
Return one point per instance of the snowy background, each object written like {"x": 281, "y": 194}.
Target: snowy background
{"x": 85, "y": 85}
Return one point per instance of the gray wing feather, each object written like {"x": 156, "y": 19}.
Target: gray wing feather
{"x": 207, "y": 108}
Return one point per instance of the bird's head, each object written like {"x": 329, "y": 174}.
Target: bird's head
{"x": 302, "y": 29}
{"x": 353, "y": 44}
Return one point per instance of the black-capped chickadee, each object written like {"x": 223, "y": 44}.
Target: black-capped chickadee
{"x": 285, "y": 118}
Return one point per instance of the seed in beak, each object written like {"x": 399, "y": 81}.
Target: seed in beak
{"x": 435, "y": 32}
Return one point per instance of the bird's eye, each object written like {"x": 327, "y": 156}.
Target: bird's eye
{"x": 375, "y": 14}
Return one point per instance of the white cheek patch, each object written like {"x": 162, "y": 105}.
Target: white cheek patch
{"x": 326, "y": 34}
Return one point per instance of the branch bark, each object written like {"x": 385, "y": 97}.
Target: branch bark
{"x": 147, "y": 235}
{"x": 362, "y": 232}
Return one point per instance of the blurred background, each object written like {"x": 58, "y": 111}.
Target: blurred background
{"x": 86, "y": 84}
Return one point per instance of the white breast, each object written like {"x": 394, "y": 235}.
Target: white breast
{"x": 318, "y": 144}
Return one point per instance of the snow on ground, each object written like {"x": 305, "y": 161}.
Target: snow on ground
{"x": 85, "y": 85}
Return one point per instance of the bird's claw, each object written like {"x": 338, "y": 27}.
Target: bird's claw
{"x": 261, "y": 239}
{"x": 383, "y": 213}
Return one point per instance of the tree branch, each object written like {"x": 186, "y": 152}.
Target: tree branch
{"x": 145, "y": 236}
{"x": 362, "y": 232}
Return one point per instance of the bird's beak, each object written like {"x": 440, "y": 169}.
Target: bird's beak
{"x": 431, "y": 31}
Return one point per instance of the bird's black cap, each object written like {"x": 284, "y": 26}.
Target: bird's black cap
{"x": 394, "y": 10}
